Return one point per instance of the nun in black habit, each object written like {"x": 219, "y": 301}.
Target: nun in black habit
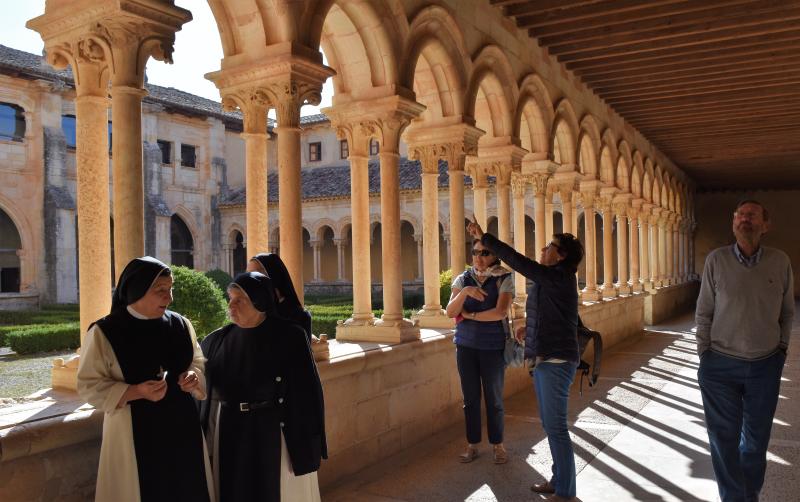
{"x": 288, "y": 304}
{"x": 266, "y": 419}
{"x": 141, "y": 365}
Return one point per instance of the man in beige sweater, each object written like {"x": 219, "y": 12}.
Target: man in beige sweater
{"x": 744, "y": 320}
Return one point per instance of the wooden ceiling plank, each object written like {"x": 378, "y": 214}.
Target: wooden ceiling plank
{"x": 705, "y": 97}
{"x": 589, "y": 11}
{"x": 731, "y": 36}
{"x": 697, "y": 84}
{"x": 708, "y": 72}
{"x": 749, "y": 102}
{"x": 733, "y": 131}
{"x": 703, "y": 120}
{"x": 722, "y": 52}
{"x": 648, "y": 19}
{"x": 516, "y": 8}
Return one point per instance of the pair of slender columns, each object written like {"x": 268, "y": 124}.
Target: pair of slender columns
{"x": 623, "y": 286}
{"x": 316, "y": 250}
{"x": 609, "y": 291}
{"x": 590, "y": 291}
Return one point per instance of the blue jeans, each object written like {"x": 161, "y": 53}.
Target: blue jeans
{"x": 552, "y": 381}
{"x": 482, "y": 368}
{"x": 739, "y": 400}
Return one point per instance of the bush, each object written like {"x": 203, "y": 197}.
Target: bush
{"x": 22, "y": 317}
{"x": 445, "y": 286}
{"x": 198, "y": 298}
{"x": 44, "y": 338}
{"x": 221, "y": 279}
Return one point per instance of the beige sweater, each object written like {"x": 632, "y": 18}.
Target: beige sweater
{"x": 745, "y": 312}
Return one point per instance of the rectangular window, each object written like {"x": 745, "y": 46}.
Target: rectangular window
{"x": 315, "y": 151}
{"x": 188, "y": 157}
{"x": 374, "y": 147}
{"x": 12, "y": 122}
{"x": 166, "y": 151}
{"x": 344, "y": 149}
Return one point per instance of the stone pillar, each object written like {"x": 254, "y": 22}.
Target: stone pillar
{"x": 644, "y": 228}
{"x": 458, "y": 244}
{"x": 690, "y": 236}
{"x": 432, "y": 315}
{"x": 316, "y": 247}
{"x": 662, "y": 248}
{"x": 565, "y": 193}
{"x": 290, "y": 219}
{"x": 677, "y": 276}
{"x": 480, "y": 188}
{"x": 254, "y": 111}
{"x": 549, "y": 224}
{"x": 621, "y": 212}
{"x": 670, "y": 249}
{"x": 608, "y": 244}
{"x": 590, "y": 292}
{"x": 503, "y": 188}
{"x": 420, "y": 258}
{"x": 655, "y": 264}
{"x": 448, "y": 251}
{"x": 518, "y": 186}
{"x": 358, "y": 146}
{"x": 340, "y": 260}
{"x": 539, "y": 184}
{"x": 633, "y": 214}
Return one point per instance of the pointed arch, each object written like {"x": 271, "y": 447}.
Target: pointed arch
{"x": 492, "y": 79}
{"x": 533, "y": 116}
{"x": 564, "y": 133}
{"x": 589, "y": 147}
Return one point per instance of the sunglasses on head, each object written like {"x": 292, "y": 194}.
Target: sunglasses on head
{"x": 482, "y": 252}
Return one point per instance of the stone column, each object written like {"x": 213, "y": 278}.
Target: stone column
{"x": 503, "y": 188}
{"x": 608, "y": 243}
{"x": 590, "y": 292}
{"x": 549, "y": 224}
{"x": 358, "y": 138}
{"x": 676, "y": 250}
{"x": 447, "y": 252}
{"x": 670, "y": 249}
{"x": 340, "y": 261}
{"x": 644, "y": 226}
{"x": 565, "y": 193}
{"x": 458, "y": 244}
{"x": 621, "y": 212}
{"x": 432, "y": 315}
{"x": 633, "y": 214}
{"x": 655, "y": 262}
{"x": 539, "y": 184}
{"x": 290, "y": 220}
{"x": 662, "y": 248}
{"x": 254, "y": 111}
{"x": 518, "y": 186}
{"x": 420, "y": 258}
{"x": 316, "y": 247}
{"x": 480, "y": 187}
{"x": 690, "y": 236}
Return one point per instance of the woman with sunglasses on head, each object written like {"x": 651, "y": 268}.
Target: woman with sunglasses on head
{"x": 288, "y": 304}
{"x": 551, "y": 340}
{"x": 142, "y": 366}
{"x": 480, "y": 299}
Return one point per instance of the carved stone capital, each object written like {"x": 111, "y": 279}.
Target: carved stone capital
{"x": 539, "y": 183}
{"x": 385, "y": 118}
{"x": 428, "y": 156}
{"x": 621, "y": 209}
{"x": 519, "y": 183}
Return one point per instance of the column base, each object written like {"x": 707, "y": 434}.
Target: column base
{"x": 623, "y": 289}
{"x": 636, "y": 287}
{"x": 65, "y": 373}
{"x": 378, "y": 332}
{"x": 590, "y": 295}
{"x": 433, "y": 318}
{"x": 608, "y": 291}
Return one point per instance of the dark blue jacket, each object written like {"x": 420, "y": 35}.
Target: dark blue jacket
{"x": 552, "y": 308}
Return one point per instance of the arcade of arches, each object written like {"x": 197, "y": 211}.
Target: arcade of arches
{"x": 513, "y": 127}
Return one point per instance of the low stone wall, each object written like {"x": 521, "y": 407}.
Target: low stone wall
{"x": 19, "y": 301}
{"x": 379, "y": 400}
{"x": 669, "y": 301}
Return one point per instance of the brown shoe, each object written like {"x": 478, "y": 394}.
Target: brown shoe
{"x": 470, "y": 454}
{"x": 545, "y": 487}
{"x": 500, "y": 454}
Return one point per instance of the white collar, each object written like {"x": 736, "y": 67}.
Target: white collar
{"x": 135, "y": 314}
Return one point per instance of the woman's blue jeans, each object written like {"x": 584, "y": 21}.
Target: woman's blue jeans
{"x": 739, "y": 400}
{"x": 552, "y": 382}
{"x": 482, "y": 368}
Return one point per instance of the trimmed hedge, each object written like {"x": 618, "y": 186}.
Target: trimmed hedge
{"x": 22, "y": 317}
{"x": 221, "y": 279}
{"x": 197, "y": 298}
{"x": 44, "y": 337}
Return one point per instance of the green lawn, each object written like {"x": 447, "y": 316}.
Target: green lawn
{"x": 23, "y": 375}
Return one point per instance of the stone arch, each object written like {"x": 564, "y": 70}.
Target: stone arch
{"x": 415, "y": 223}
{"x": 360, "y": 43}
{"x": 318, "y": 227}
{"x": 657, "y": 183}
{"x": 492, "y": 81}
{"x": 564, "y": 133}
{"x": 637, "y": 174}
{"x": 624, "y": 167}
{"x": 533, "y": 116}
{"x": 589, "y": 142}
{"x": 236, "y": 246}
{"x": 182, "y": 239}
{"x": 27, "y": 272}
{"x": 435, "y": 47}
{"x": 607, "y": 166}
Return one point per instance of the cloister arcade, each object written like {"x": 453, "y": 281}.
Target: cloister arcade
{"x": 458, "y": 83}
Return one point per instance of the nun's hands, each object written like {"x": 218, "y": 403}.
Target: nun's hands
{"x": 188, "y": 381}
{"x": 152, "y": 390}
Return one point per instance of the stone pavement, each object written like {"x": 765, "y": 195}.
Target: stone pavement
{"x": 638, "y": 435}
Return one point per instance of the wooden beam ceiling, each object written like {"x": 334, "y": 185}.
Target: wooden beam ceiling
{"x": 714, "y": 84}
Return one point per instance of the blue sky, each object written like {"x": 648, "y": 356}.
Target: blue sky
{"x": 197, "y": 48}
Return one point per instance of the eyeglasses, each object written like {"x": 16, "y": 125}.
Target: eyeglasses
{"x": 553, "y": 244}
{"x": 481, "y": 252}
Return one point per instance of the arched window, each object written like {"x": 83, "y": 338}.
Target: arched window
{"x": 10, "y": 243}
{"x": 12, "y": 122}
{"x": 182, "y": 242}
{"x": 239, "y": 254}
